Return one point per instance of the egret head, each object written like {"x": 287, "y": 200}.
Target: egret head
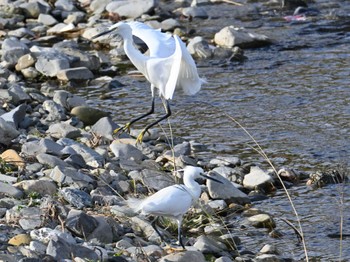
{"x": 120, "y": 28}
{"x": 197, "y": 172}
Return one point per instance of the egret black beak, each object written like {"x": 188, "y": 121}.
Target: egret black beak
{"x": 104, "y": 33}
{"x": 212, "y": 178}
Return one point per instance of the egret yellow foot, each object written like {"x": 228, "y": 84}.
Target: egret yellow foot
{"x": 140, "y": 136}
{"x": 170, "y": 249}
{"x": 125, "y": 128}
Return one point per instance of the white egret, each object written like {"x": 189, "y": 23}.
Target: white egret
{"x": 173, "y": 201}
{"x": 169, "y": 65}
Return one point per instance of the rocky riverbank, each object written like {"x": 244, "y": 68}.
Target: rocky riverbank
{"x": 64, "y": 177}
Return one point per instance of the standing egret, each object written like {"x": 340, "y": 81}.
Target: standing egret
{"x": 169, "y": 65}
{"x": 173, "y": 201}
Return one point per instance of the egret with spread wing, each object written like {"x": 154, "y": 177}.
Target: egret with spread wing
{"x": 173, "y": 201}
{"x": 168, "y": 66}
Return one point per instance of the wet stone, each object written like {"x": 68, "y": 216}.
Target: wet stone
{"x": 205, "y": 244}
{"x": 226, "y": 191}
{"x": 88, "y": 115}
{"x": 78, "y": 73}
{"x": 257, "y": 178}
{"x": 193, "y": 256}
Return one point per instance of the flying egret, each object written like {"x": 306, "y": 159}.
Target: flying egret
{"x": 169, "y": 65}
{"x": 173, "y": 201}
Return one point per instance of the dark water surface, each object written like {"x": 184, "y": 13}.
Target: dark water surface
{"x": 293, "y": 97}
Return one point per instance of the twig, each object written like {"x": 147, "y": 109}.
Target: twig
{"x": 299, "y": 236}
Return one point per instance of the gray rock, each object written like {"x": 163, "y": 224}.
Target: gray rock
{"x": 51, "y": 161}
{"x": 227, "y": 172}
{"x": 68, "y": 100}
{"x": 12, "y": 50}
{"x": 145, "y": 226}
{"x": 15, "y": 116}
{"x": 6, "y": 95}
{"x": 34, "y": 8}
{"x": 7, "y": 132}
{"x": 44, "y": 145}
{"x": 49, "y": 64}
{"x": 30, "y": 73}
{"x": 194, "y": 11}
{"x": 91, "y": 157}
{"x": 60, "y": 28}
{"x": 262, "y": 221}
{"x": 43, "y": 187}
{"x": 21, "y": 32}
{"x": 230, "y": 161}
{"x": 231, "y": 36}
{"x": 82, "y": 60}
{"x": 56, "y": 112}
{"x": 47, "y": 19}
{"x": 103, "y": 233}
{"x": 8, "y": 179}
{"x": 80, "y": 223}
{"x": 44, "y": 234}
{"x": 169, "y": 24}
{"x": 205, "y": 244}
{"x": 152, "y": 178}
{"x": 131, "y": 8}
{"x": 60, "y": 250}
{"x": 76, "y": 197}
{"x": 75, "y": 18}
{"x": 78, "y": 73}
{"x": 223, "y": 259}
{"x": 104, "y": 128}
{"x": 65, "y": 176}
{"x": 269, "y": 249}
{"x": 193, "y": 256}
{"x": 88, "y": 115}
{"x": 30, "y": 218}
{"x": 37, "y": 247}
{"x": 257, "y": 178}
{"x": 19, "y": 94}
{"x": 76, "y": 161}
{"x": 226, "y": 190}
{"x": 62, "y": 129}
{"x": 268, "y": 258}
{"x": 126, "y": 151}
{"x": 66, "y": 5}
{"x": 98, "y": 6}
{"x": 217, "y": 204}
{"x": 9, "y": 190}
{"x": 198, "y": 47}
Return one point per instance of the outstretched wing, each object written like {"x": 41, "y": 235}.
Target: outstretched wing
{"x": 188, "y": 77}
{"x": 159, "y": 44}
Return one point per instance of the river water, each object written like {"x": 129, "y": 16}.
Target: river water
{"x": 293, "y": 97}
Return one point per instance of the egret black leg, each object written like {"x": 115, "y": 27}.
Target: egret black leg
{"x": 167, "y": 114}
{"x": 179, "y": 233}
{"x": 153, "y": 223}
{"x": 127, "y": 126}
